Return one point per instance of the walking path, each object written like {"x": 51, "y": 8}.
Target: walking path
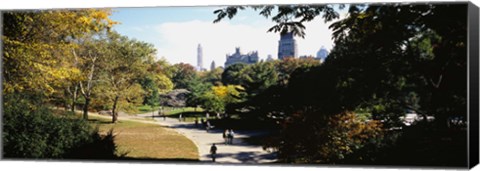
{"x": 238, "y": 152}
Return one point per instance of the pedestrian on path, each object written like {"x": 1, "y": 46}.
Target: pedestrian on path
{"x": 180, "y": 118}
{"x": 213, "y": 152}
{"x": 208, "y": 126}
{"x": 230, "y": 136}
{"x": 196, "y": 122}
{"x": 225, "y": 136}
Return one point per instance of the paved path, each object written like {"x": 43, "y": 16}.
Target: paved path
{"x": 238, "y": 152}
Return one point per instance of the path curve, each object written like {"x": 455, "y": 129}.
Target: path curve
{"x": 238, "y": 152}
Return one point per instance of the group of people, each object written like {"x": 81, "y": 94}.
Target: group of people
{"x": 204, "y": 123}
{"x": 228, "y": 135}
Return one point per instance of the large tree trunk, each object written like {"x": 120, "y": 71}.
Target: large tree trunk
{"x": 65, "y": 104}
{"x": 85, "y": 108}
{"x": 114, "y": 112}
{"x": 74, "y": 99}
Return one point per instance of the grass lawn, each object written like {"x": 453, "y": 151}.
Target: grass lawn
{"x": 147, "y": 141}
{"x": 175, "y": 111}
{"x": 147, "y": 108}
{"x": 168, "y": 110}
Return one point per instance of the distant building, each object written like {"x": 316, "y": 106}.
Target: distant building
{"x": 287, "y": 46}
{"x": 212, "y": 66}
{"x": 237, "y": 57}
{"x": 269, "y": 58}
{"x": 199, "y": 57}
{"x": 322, "y": 54}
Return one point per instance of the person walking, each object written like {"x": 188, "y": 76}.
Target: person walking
{"x": 225, "y": 136}
{"x": 213, "y": 152}
{"x": 230, "y": 136}
{"x": 196, "y": 122}
{"x": 180, "y": 118}
{"x": 164, "y": 116}
{"x": 208, "y": 126}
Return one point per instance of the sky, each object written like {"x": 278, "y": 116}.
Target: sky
{"x": 176, "y": 32}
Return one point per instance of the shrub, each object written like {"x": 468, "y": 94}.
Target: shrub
{"x": 30, "y": 130}
{"x": 310, "y": 137}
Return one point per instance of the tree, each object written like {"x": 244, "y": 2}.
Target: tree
{"x": 155, "y": 82}
{"x": 182, "y": 74}
{"x": 389, "y": 29}
{"x": 314, "y": 138}
{"x": 38, "y": 64}
{"x": 198, "y": 88}
{"x": 387, "y": 59}
{"x": 213, "y": 76}
{"x": 258, "y": 77}
{"x": 289, "y": 18}
{"x": 420, "y": 57}
{"x": 232, "y": 75}
{"x": 38, "y": 49}
{"x": 218, "y": 97}
{"x": 127, "y": 62}
{"x": 87, "y": 58}
{"x": 287, "y": 66}
{"x": 37, "y": 46}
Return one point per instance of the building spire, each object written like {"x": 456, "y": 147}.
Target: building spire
{"x": 212, "y": 66}
{"x": 199, "y": 57}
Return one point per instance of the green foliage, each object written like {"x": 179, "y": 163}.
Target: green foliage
{"x": 213, "y": 103}
{"x": 289, "y": 18}
{"x": 421, "y": 56}
{"x": 387, "y": 59}
{"x": 314, "y": 138}
{"x": 152, "y": 95}
{"x": 128, "y": 60}
{"x": 153, "y": 85}
{"x": 287, "y": 66}
{"x": 197, "y": 89}
{"x": 182, "y": 74}
{"x": 258, "y": 77}
{"x": 232, "y": 74}
{"x": 214, "y": 76}
{"x": 30, "y": 130}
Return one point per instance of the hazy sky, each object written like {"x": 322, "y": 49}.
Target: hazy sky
{"x": 177, "y": 31}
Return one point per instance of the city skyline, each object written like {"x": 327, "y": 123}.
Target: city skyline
{"x": 176, "y": 38}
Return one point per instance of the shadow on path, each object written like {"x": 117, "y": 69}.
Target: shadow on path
{"x": 245, "y": 157}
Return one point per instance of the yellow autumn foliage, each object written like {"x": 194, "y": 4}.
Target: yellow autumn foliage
{"x": 37, "y": 47}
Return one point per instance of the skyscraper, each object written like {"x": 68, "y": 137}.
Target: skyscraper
{"x": 287, "y": 46}
{"x": 199, "y": 57}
